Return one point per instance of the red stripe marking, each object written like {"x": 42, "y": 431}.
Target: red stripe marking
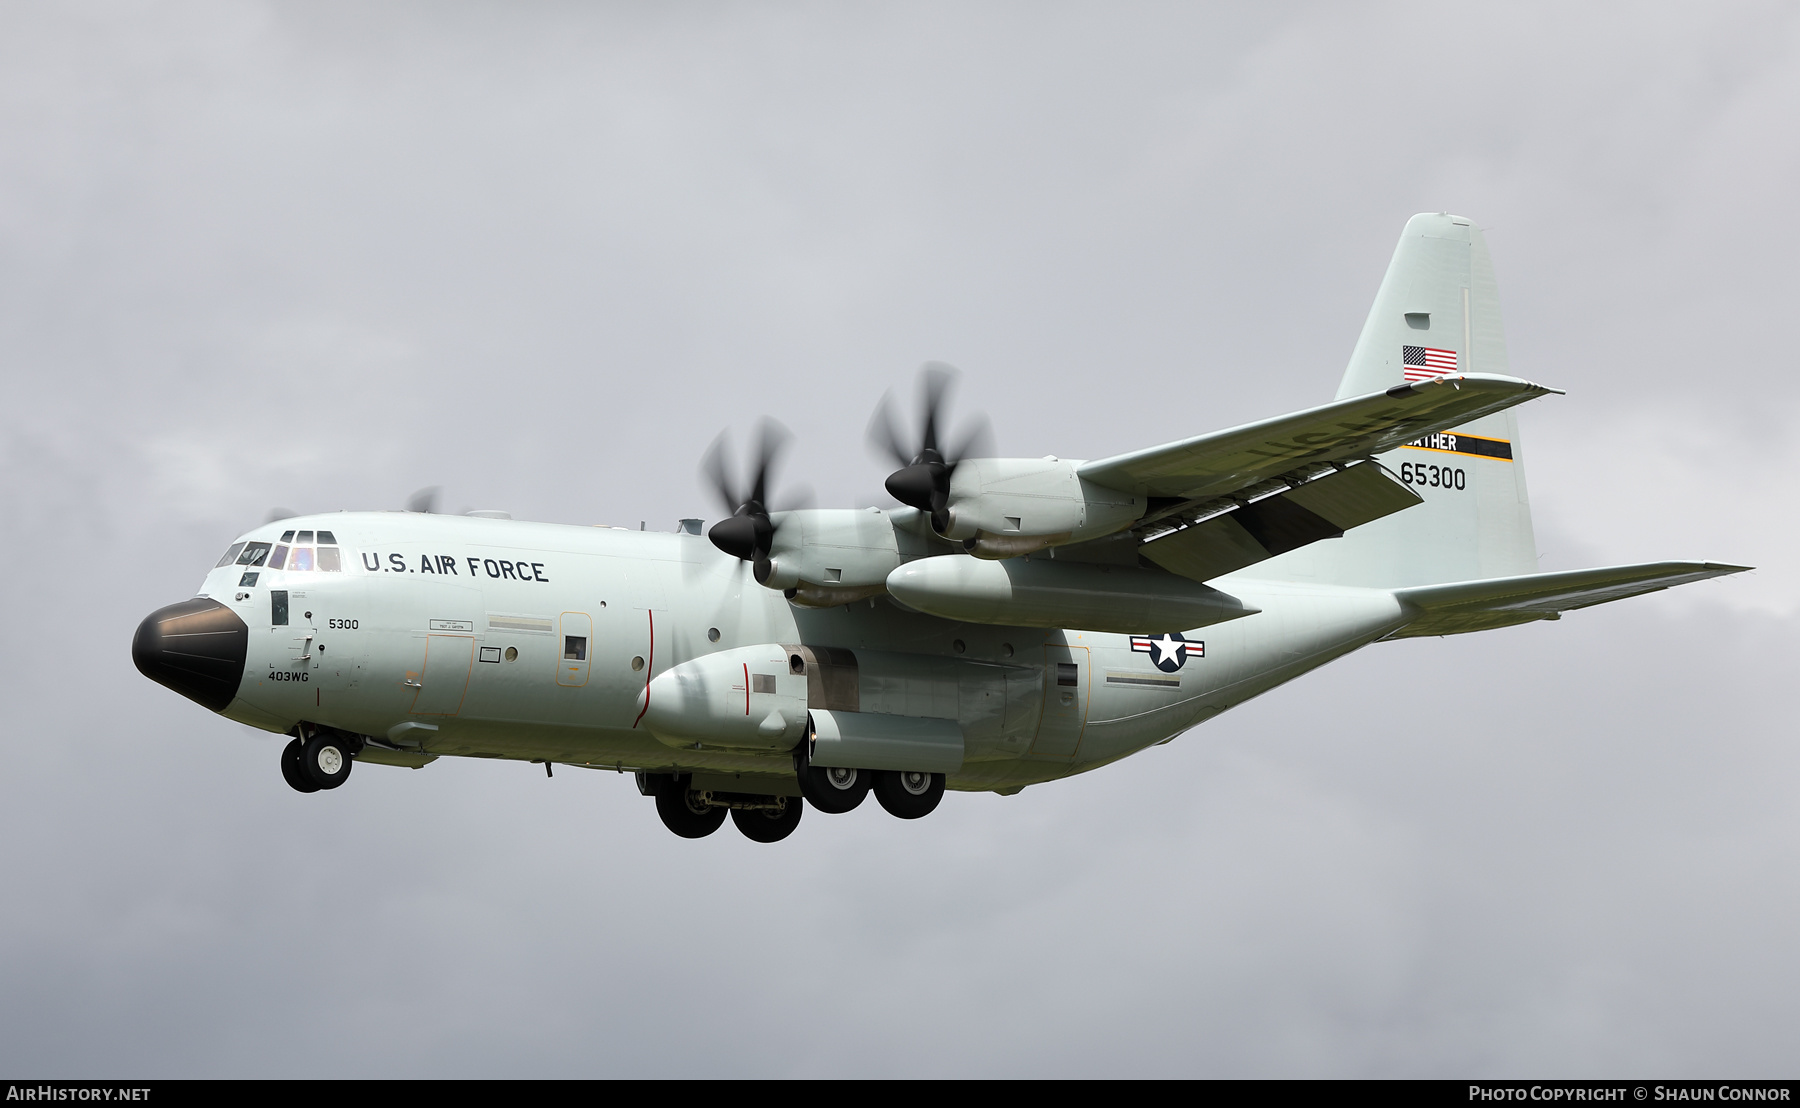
{"x": 649, "y": 668}
{"x": 746, "y": 688}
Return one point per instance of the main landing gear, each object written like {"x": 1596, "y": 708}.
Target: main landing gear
{"x": 908, "y": 794}
{"x": 694, "y": 814}
{"x": 320, "y": 760}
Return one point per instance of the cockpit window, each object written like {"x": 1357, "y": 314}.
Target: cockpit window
{"x": 303, "y": 557}
{"x": 287, "y": 536}
{"x": 326, "y": 538}
{"x": 230, "y": 555}
{"x": 254, "y": 553}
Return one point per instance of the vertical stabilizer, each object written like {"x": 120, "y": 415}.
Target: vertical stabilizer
{"x": 1437, "y": 312}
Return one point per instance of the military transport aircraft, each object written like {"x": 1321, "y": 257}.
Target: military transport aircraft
{"x": 1016, "y": 621}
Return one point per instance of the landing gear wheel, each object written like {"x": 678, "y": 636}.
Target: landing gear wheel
{"x": 909, "y": 794}
{"x": 835, "y": 790}
{"x": 682, "y": 812}
{"x": 291, "y": 770}
{"x": 769, "y": 825}
{"x": 325, "y": 761}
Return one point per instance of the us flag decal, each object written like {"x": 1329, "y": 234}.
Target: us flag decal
{"x": 1421, "y": 363}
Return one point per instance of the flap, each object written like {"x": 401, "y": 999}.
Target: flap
{"x": 1225, "y": 461}
{"x": 1481, "y": 605}
{"x": 1323, "y": 508}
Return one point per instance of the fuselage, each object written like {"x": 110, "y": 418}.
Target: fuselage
{"x": 442, "y": 635}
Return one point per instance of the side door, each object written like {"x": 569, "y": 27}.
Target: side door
{"x": 1067, "y": 682}
{"x": 431, "y": 627}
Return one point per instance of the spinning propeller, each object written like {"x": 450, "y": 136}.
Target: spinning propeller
{"x": 747, "y": 534}
{"x": 923, "y": 481}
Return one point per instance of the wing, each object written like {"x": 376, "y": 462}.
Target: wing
{"x": 1482, "y": 605}
{"x": 1233, "y": 461}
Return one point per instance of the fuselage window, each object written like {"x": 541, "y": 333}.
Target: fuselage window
{"x": 254, "y": 553}
{"x": 575, "y": 648}
{"x": 278, "y": 607}
{"x": 230, "y": 555}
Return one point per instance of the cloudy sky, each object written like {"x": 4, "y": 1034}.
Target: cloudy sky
{"x": 319, "y": 256}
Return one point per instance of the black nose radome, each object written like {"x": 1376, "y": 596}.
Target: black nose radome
{"x": 195, "y": 647}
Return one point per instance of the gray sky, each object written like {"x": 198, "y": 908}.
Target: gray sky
{"x": 319, "y": 256}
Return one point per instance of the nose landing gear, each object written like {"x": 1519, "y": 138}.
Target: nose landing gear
{"x": 321, "y": 760}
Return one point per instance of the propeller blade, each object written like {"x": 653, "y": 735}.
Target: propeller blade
{"x": 425, "y": 500}
{"x": 923, "y": 479}
{"x": 883, "y": 435}
{"x": 772, "y": 439}
{"x": 712, "y": 466}
{"x": 748, "y": 534}
{"x": 935, "y": 380}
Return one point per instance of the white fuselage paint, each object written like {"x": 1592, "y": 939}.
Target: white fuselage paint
{"x": 400, "y": 635}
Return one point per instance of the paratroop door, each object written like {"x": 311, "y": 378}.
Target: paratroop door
{"x": 1065, "y": 701}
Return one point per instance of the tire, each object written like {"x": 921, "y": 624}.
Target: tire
{"x": 292, "y": 773}
{"x": 835, "y": 790}
{"x": 688, "y": 818}
{"x": 766, "y": 825}
{"x": 325, "y": 760}
{"x": 909, "y": 794}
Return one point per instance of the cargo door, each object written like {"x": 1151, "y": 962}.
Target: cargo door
{"x": 1065, "y": 687}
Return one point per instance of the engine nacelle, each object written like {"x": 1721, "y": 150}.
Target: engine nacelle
{"x": 751, "y": 698}
{"x": 844, "y": 553}
{"x": 1041, "y": 592}
{"x": 1013, "y": 506}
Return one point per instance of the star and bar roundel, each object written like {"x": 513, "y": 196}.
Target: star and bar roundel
{"x": 1169, "y": 652}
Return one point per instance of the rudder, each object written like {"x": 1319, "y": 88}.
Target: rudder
{"x": 1437, "y": 312}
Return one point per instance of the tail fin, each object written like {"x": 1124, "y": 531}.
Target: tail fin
{"x": 1438, "y": 311}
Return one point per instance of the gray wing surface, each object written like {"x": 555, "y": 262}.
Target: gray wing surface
{"x": 1230, "y": 461}
{"x": 1463, "y": 606}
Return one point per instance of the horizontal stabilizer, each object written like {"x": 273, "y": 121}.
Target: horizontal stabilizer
{"x": 1462, "y": 606}
{"x": 1323, "y": 508}
{"x": 1225, "y": 462}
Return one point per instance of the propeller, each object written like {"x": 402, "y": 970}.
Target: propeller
{"x": 747, "y": 534}
{"x": 923, "y": 479}
{"x": 425, "y": 500}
